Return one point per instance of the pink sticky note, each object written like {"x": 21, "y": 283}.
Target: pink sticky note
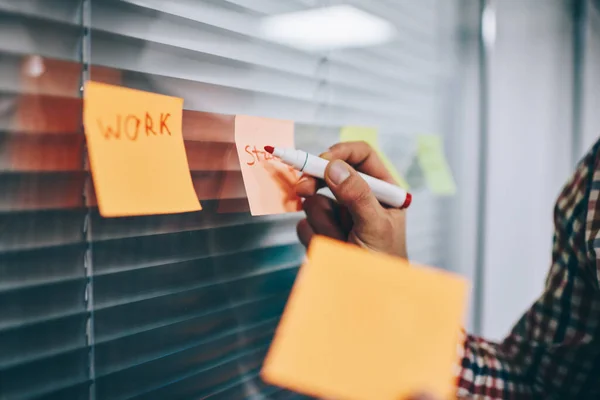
{"x": 269, "y": 183}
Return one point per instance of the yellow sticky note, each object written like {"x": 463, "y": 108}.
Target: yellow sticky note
{"x": 270, "y": 184}
{"x": 430, "y": 151}
{"x": 371, "y": 136}
{"x": 136, "y": 151}
{"x": 362, "y": 325}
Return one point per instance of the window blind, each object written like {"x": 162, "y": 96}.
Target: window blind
{"x": 177, "y": 306}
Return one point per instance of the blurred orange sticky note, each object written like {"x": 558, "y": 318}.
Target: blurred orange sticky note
{"x": 361, "y": 325}
{"x": 136, "y": 150}
{"x": 270, "y": 184}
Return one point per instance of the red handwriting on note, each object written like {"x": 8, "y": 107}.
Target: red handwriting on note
{"x": 270, "y": 184}
{"x": 257, "y": 155}
{"x": 129, "y": 126}
{"x": 138, "y": 159}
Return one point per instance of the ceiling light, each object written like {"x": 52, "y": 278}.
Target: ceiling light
{"x": 327, "y": 28}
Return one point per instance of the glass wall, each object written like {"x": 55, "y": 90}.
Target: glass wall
{"x": 185, "y": 305}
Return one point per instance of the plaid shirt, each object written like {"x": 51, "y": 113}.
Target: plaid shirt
{"x": 553, "y": 352}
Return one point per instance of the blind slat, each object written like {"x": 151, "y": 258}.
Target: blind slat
{"x": 38, "y": 267}
{"x": 114, "y": 366}
{"x": 52, "y": 229}
{"x": 200, "y": 383}
{"x": 220, "y": 18}
{"x": 44, "y": 377}
{"x": 25, "y": 306}
{"x": 246, "y": 284}
{"x": 113, "y": 324}
{"x": 25, "y": 35}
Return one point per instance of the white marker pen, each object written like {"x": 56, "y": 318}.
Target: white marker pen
{"x": 386, "y": 193}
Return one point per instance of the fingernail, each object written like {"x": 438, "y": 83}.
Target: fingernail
{"x": 326, "y": 155}
{"x": 302, "y": 180}
{"x": 338, "y": 172}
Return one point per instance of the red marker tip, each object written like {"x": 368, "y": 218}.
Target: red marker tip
{"x": 407, "y": 201}
{"x": 269, "y": 149}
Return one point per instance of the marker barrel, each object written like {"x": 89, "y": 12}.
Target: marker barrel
{"x": 385, "y": 192}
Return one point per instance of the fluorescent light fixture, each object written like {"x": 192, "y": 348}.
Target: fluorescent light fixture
{"x": 488, "y": 26}
{"x": 327, "y": 28}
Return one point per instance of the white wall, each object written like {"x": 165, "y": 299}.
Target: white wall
{"x": 591, "y": 80}
{"x": 462, "y": 144}
{"x": 529, "y": 152}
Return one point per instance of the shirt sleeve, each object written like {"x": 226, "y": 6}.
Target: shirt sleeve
{"x": 553, "y": 350}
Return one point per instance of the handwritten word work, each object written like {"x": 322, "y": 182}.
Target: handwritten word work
{"x": 269, "y": 183}
{"x": 129, "y": 126}
{"x": 137, "y": 155}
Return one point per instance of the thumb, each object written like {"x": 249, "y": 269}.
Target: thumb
{"x": 351, "y": 190}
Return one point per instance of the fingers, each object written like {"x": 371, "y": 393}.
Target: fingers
{"x": 305, "y": 232}
{"x": 322, "y": 218}
{"x": 353, "y": 192}
{"x": 307, "y": 186}
{"x": 358, "y": 154}
{"x": 362, "y": 157}
{"x": 358, "y": 218}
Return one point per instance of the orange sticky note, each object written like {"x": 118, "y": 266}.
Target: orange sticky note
{"x": 270, "y": 184}
{"x": 136, "y": 150}
{"x": 361, "y": 325}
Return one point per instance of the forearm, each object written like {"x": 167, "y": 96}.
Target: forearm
{"x": 484, "y": 371}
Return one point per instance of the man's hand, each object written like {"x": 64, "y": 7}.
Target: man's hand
{"x": 358, "y": 218}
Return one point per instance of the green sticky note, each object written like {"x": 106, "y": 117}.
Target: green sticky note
{"x": 430, "y": 151}
{"x": 371, "y": 136}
